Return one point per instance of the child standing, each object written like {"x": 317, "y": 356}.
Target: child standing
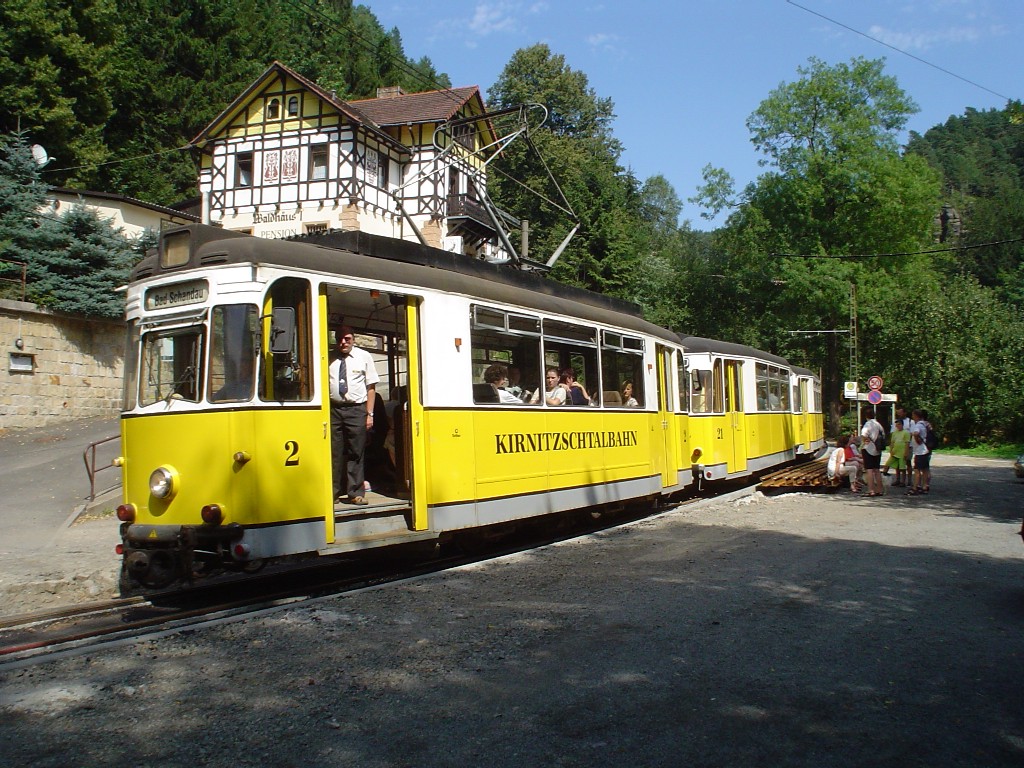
{"x": 899, "y": 443}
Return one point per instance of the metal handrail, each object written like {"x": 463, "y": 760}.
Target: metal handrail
{"x": 89, "y": 457}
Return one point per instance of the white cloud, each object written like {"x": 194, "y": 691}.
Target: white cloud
{"x": 489, "y": 18}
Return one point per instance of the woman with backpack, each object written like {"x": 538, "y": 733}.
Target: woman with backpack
{"x": 873, "y": 439}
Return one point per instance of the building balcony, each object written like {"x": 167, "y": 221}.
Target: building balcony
{"x": 468, "y": 217}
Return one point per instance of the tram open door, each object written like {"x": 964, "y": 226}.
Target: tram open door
{"x": 735, "y": 416}
{"x": 386, "y": 326}
{"x": 668, "y": 450}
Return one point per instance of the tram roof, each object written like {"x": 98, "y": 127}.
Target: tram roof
{"x": 702, "y": 344}
{"x": 403, "y": 263}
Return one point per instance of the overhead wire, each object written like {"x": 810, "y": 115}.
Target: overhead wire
{"x": 899, "y": 253}
{"x": 898, "y": 50}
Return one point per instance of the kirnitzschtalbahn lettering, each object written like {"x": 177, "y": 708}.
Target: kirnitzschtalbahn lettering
{"x": 537, "y": 442}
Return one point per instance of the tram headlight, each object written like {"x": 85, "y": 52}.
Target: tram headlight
{"x": 163, "y": 483}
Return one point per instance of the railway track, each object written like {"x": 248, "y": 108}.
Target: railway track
{"x": 30, "y": 639}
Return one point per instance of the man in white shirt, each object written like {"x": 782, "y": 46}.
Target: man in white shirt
{"x": 353, "y": 389}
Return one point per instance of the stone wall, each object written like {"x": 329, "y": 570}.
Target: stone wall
{"x": 57, "y": 367}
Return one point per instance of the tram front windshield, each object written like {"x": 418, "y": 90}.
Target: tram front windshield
{"x": 175, "y": 366}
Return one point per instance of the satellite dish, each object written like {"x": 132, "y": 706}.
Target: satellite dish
{"x": 39, "y": 155}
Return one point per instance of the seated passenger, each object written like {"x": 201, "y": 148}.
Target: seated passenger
{"x": 514, "y": 375}
{"x": 555, "y": 392}
{"x": 576, "y": 393}
{"x": 627, "y": 395}
{"x": 497, "y": 376}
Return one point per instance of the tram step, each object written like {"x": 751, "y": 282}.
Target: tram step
{"x": 357, "y": 524}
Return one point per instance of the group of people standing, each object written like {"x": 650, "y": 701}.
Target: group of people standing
{"x": 859, "y": 456}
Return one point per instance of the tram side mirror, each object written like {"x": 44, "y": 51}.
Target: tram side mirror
{"x": 282, "y": 330}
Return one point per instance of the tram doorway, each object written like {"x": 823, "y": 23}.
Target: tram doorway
{"x": 668, "y": 451}
{"x": 734, "y": 414}
{"x": 380, "y": 322}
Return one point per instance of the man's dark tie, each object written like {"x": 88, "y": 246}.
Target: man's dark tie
{"x": 342, "y": 377}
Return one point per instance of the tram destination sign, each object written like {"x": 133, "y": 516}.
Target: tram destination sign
{"x": 177, "y": 294}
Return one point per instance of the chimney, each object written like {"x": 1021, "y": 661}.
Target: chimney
{"x": 391, "y": 92}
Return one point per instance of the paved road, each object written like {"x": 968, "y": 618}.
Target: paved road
{"x": 43, "y": 478}
{"x": 800, "y": 631}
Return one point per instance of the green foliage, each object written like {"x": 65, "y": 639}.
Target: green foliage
{"x": 56, "y": 79}
{"x": 74, "y": 261}
{"x": 85, "y": 261}
{"x": 981, "y": 158}
{"x": 22, "y": 197}
{"x": 837, "y": 186}
{"x": 577, "y": 145}
{"x": 116, "y": 89}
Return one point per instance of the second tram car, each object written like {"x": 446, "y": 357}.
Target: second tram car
{"x": 226, "y": 447}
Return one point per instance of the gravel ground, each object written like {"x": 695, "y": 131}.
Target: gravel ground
{"x": 803, "y": 630}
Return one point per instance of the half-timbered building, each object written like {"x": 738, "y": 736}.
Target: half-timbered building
{"x": 288, "y": 157}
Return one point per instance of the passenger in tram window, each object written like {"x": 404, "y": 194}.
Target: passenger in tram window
{"x": 513, "y": 386}
{"x": 627, "y": 395}
{"x": 576, "y": 393}
{"x": 353, "y": 384}
{"x": 555, "y": 393}
{"x": 497, "y": 376}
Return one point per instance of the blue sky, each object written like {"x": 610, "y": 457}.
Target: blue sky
{"x": 684, "y": 76}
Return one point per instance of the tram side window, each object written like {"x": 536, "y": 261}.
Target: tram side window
{"x": 506, "y": 357}
{"x": 288, "y": 377}
{"x": 780, "y": 388}
{"x": 571, "y": 348}
{"x": 718, "y": 388}
{"x": 798, "y": 403}
{"x": 683, "y": 379}
{"x": 772, "y": 388}
{"x": 233, "y": 332}
{"x": 701, "y": 398}
{"x": 622, "y": 368}
{"x": 171, "y": 365}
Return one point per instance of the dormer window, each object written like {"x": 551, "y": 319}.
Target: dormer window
{"x": 293, "y": 106}
{"x": 274, "y": 109}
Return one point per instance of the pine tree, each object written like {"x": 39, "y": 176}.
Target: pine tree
{"x": 74, "y": 261}
{"x": 22, "y": 197}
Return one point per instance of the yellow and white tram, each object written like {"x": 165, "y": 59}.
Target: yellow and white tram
{"x": 226, "y": 430}
{"x": 749, "y": 410}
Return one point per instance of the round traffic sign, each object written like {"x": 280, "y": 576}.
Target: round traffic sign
{"x": 874, "y": 397}
{"x": 875, "y": 382}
